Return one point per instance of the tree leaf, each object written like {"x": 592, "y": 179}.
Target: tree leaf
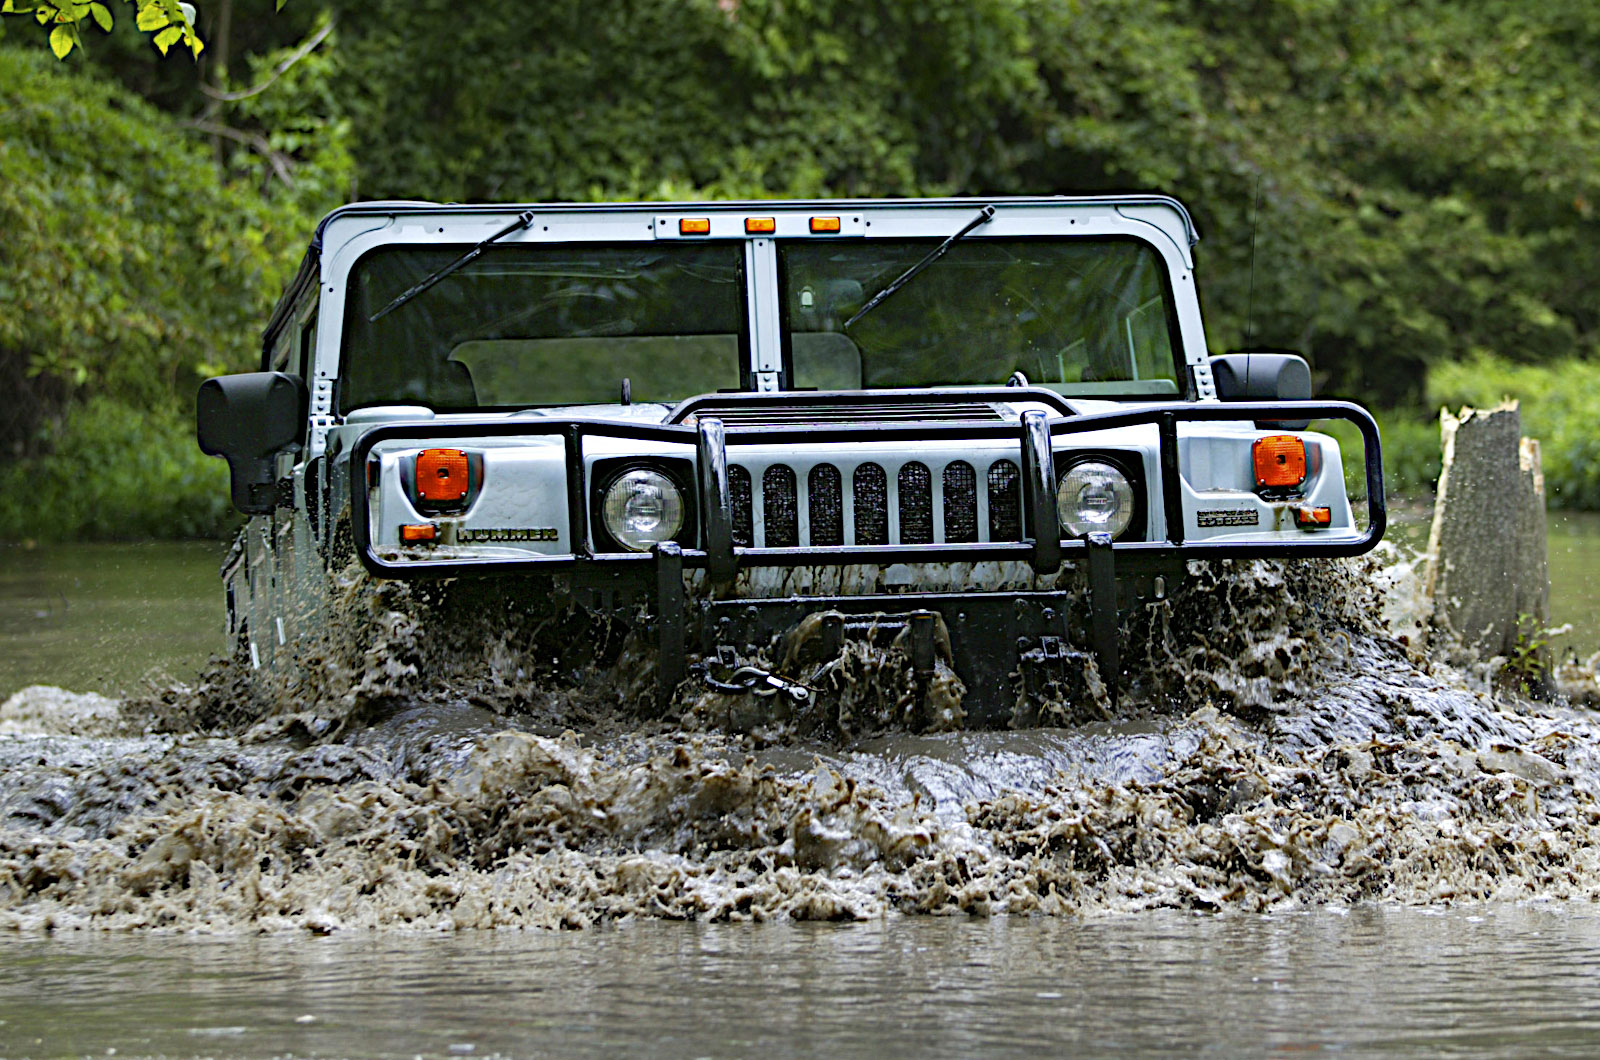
{"x": 151, "y": 16}
{"x": 168, "y": 37}
{"x": 102, "y": 16}
{"x": 61, "y": 41}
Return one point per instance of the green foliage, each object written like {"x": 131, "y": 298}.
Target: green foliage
{"x": 168, "y": 22}
{"x": 116, "y": 473}
{"x": 297, "y": 144}
{"x": 1560, "y": 405}
{"x": 1528, "y": 669}
{"x": 1411, "y": 455}
{"x": 128, "y": 269}
{"x": 565, "y": 100}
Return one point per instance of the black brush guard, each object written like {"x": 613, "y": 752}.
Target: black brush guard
{"x": 989, "y": 631}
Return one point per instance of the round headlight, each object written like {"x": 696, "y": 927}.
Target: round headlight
{"x": 642, "y": 508}
{"x": 1094, "y": 496}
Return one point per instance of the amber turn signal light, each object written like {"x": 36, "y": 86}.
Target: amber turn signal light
{"x": 1308, "y": 518}
{"x": 760, "y": 225}
{"x": 694, "y": 226}
{"x": 824, "y": 224}
{"x": 442, "y": 475}
{"x": 1280, "y": 461}
{"x": 413, "y": 533}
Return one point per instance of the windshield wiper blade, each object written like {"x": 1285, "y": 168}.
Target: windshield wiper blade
{"x": 932, "y": 256}
{"x": 523, "y": 221}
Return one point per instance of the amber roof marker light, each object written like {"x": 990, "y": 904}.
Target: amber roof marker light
{"x": 760, "y": 226}
{"x": 694, "y": 226}
{"x": 825, "y": 224}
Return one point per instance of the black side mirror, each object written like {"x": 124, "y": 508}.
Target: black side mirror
{"x": 1264, "y": 377}
{"x": 249, "y": 419}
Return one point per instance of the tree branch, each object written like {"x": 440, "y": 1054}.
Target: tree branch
{"x": 276, "y": 159}
{"x": 278, "y": 71}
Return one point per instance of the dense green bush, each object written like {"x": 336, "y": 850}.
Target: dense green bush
{"x": 127, "y": 266}
{"x": 129, "y": 271}
{"x": 116, "y": 473}
{"x": 1560, "y": 406}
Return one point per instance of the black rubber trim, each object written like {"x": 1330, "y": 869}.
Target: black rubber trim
{"x": 845, "y": 398}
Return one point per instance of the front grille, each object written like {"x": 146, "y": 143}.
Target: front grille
{"x": 960, "y": 502}
{"x": 916, "y": 505}
{"x": 780, "y": 507}
{"x": 744, "y": 534}
{"x": 1005, "y": 501}
{"x": 827, "y": 506}
{"x": 872, "y": 505}
{"x": 960, "y": 498}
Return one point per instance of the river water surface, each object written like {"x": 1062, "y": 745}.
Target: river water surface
{"x": 1299, "y": 836}
{"x": 1495, "y": 981}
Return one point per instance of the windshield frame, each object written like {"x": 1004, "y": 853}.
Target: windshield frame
{"x": 348, "y": 232}
{"x": 1182, "y": 378}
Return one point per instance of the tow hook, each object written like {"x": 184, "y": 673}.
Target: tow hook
{"x": 759, "y": 682}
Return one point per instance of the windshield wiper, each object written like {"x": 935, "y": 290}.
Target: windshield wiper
{"x": 932, "y": 256}
{"x": 523, "y": 221}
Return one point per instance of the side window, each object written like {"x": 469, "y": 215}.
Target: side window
{"x": 277, "y": 358}
{"x": 294, "y": 353}
{"x": 303, "y": 359}
{"x": 306, "y": 355}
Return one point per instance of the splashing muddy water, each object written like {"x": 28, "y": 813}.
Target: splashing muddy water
{"x": 1280, "y": 744}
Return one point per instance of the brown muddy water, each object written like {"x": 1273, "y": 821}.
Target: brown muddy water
{"x": 1300, "y": 831}
{"x": 1490, "y": 981}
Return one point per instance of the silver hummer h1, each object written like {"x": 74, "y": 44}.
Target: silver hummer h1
{"x": 979, "y": 428}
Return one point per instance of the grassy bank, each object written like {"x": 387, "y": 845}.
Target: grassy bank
{"x": 1560, "y": 406}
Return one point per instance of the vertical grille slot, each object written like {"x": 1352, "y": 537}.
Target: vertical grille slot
{"x": 780, "y": 507}
{"x": 871, "y": 488}
{"x": 826, "y": 505}
{"x": 916, "y": 504}
{"x": 739, "y": 498}
{"x": 960, "y": 502}
{"x": 1005, "y": 502}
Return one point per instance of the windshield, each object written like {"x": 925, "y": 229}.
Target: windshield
{"x": 1081, "y": 316}
{"x": 545, "y": 325}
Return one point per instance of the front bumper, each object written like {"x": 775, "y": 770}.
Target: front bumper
{"x": 1005, "y": 618}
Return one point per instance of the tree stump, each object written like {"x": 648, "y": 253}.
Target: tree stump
{"x": 1488, "y": 576}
